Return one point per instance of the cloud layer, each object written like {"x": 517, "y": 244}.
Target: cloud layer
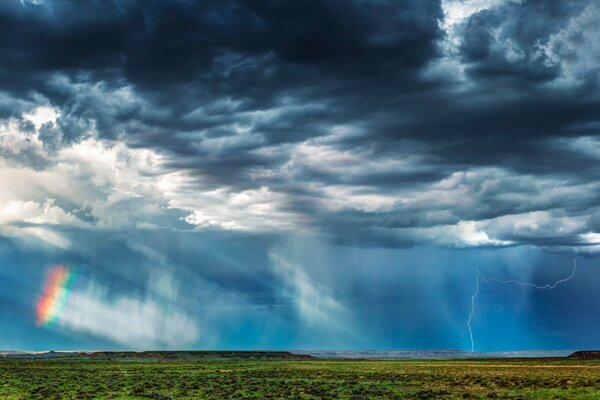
{"x": 379, "y": 124}
{"x": 210, "y": 148}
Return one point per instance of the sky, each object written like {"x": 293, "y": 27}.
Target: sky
{"x": 316, "y": 174}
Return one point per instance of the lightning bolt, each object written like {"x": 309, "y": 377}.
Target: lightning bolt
{"x": 473, "y": 302}
{"x": 481, "y": 279}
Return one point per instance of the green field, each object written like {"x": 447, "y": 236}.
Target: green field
{"x": 297, "y": 379}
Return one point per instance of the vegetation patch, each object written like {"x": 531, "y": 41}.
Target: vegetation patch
{"x": 299, "y": 379}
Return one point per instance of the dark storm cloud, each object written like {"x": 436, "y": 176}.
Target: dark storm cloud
{"x": 162, "y": 45}
{"x": 228, "y": 90}
{"x": 179, "y": 54}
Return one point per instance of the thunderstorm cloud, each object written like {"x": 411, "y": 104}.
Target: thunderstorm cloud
{"x": 254, "y": 171}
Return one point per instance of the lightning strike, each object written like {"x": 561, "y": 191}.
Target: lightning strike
{"x": 480, "y": 278}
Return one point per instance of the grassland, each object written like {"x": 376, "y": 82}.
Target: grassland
{"x": 298, "y": 379}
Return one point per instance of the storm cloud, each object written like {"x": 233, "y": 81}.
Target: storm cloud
{"x": 378, "y": 123}
{"x": 161, "y": 127}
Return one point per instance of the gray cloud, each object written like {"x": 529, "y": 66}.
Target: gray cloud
{"x": 325, "y": 116}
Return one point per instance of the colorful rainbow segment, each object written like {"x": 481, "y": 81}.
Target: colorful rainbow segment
{"x": 56, "y": 294}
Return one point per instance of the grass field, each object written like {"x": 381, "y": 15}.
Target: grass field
{"x": 315, "y": 379}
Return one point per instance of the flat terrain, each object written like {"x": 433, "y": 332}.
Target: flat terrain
{"x": 81, "y": 378}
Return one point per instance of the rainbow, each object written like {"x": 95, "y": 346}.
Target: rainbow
{"x": 56, "y": 294}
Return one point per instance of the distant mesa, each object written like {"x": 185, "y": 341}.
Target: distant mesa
{"x": 158, "y": 355}
{"x": 586, "y": 355}
{"x": 296, "y": 355}
{"x": 194, "y": 355}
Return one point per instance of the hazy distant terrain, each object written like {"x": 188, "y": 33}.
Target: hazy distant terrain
{"x": 294, "y": 354}
{"x": 415, "y": 354}
{"x": 154, "y": 355}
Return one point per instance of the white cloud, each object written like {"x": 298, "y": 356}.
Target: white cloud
{"x": 537, "y": 224}
{"x": 247, "y": 210}
{"x": 31, "y": 212}
{"x": 17, "y": 212}
{"x": 591, "y": 237}
{"x": 111, "y": 184}
{"x": 463, "y": 234}
{"x": 458, "y": 11}
{"x": 116, "y": 186}
{"x": 42, "y": 115}
{"x": 15, "y": 141}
